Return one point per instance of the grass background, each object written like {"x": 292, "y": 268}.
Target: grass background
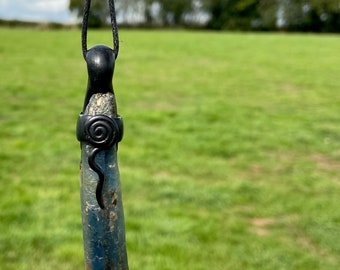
{"x": 230, "y": 160}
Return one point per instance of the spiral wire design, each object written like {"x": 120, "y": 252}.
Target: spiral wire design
{"x": 102, "y": 132}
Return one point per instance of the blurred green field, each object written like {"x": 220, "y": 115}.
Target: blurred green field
{"x": 230, "y": 160}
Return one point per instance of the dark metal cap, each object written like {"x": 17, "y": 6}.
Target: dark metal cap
{"x": 100, "y": 61}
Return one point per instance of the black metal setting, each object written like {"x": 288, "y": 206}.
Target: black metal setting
{"x": 100, "y": 61}
{"x": 102, "y": 132}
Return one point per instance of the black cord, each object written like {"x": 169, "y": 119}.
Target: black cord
{"x": 114, "y": 27}
{"x": 87, "y": 7}
{"x": 85, "y": 26}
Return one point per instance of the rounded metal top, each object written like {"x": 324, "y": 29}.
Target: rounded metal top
{"x": 100, "y": 61}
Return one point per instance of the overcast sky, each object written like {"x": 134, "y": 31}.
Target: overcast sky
{"x": 36, "y": 10}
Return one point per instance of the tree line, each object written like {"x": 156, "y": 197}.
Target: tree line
{"x": 268, "y": 15}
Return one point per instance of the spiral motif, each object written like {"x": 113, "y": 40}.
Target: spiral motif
{"x": 101, "y": 131}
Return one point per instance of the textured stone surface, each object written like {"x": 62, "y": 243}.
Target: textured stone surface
{"x": 103, "y": 229}
{"x": 102, "y": 104}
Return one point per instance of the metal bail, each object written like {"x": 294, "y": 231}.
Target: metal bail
{"x": 100, "y": 61}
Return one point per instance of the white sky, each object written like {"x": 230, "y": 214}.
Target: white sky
{"x": 36, "y": 10}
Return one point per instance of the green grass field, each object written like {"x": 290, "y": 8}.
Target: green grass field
{"x": 230, "y": 160}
